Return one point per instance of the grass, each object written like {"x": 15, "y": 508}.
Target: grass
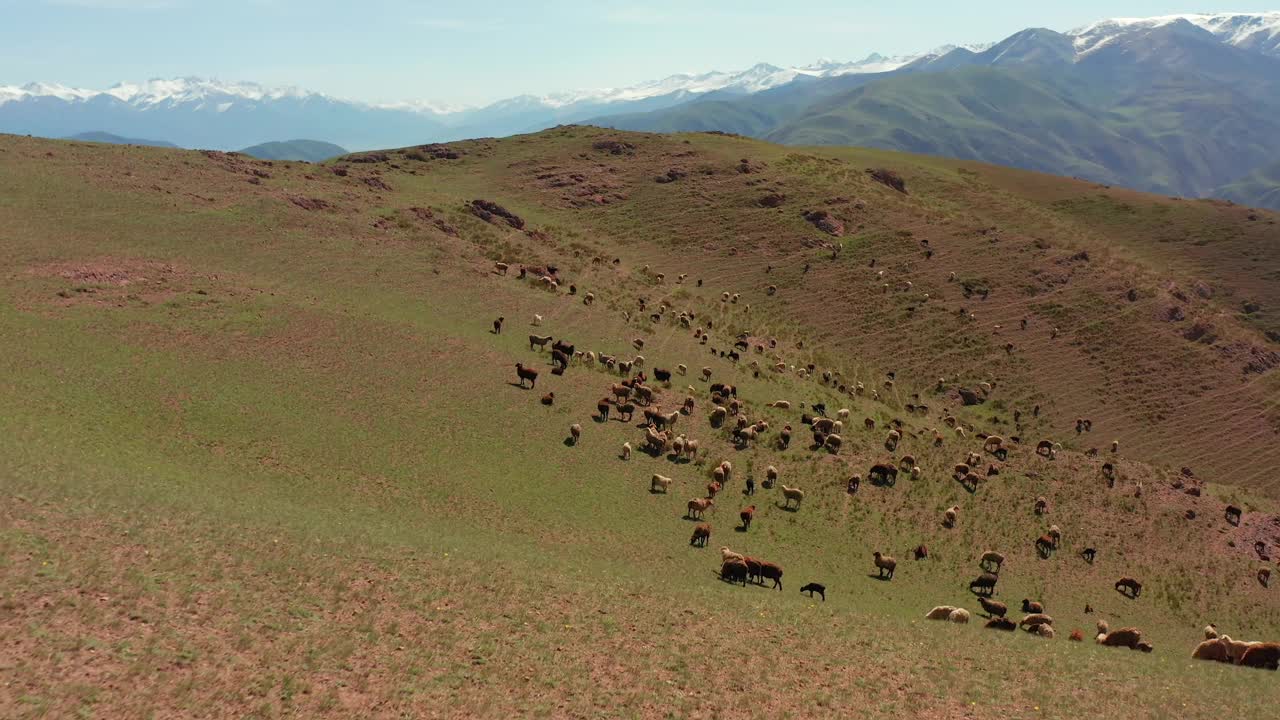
{"x": 282, "y": 471}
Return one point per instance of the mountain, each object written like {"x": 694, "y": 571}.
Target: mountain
{"x": 304, "y": 150}
{"x": 1176, "y": 105}
{"x": 1261, "y": 188}
{"x": 104, "y": 137}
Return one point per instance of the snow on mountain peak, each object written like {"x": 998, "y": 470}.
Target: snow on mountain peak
{"x": 1238, "y": 29}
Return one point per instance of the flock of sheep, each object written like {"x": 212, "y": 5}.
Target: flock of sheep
{"x": 633, "y": 391}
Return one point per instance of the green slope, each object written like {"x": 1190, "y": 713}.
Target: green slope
{"x": 1261, "y": 188}
{"x": 304, "y": 150}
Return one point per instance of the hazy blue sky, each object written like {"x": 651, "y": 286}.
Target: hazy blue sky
{"x": 471, "y": 52}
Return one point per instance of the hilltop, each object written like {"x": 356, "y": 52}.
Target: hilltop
{"x": 304, "y": 150}
{"x": 106, "y": 137}
{"x": 263, "y": 454}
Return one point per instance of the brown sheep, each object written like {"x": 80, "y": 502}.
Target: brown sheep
{"x": 701, "y": 534}
{"x": 1044, "y": 546}
{"x": 1233, "y": 514}
{"x": 1001, "y": 623}
{"x": 747, "y": 514}
{"x": 1042, "y": 506}
{"x": 1031, "y": 607}
{"x": 697, "y": 506}
{"x": 1124, "y": 637}
{"x": 734, "y": 570}
{"x": 1211, "y": 650}
{"x": 1034, "y": 619}
{"x": 885, "y": 565}
{"x": 529, "y": 374}
{"x": 883, "y": 474}
{"x": 921, "y": 552}
{"x": 1129, "y": 587}
{"x": 770, "y": 571}
{"x": 1262, "y": 655}
{"x": 993, "y": 608}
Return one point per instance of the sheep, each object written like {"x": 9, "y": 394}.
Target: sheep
{"x": 734, "y": 570}
{"x": 780, "y": 404}
{"x": 921, "y": 551}
{"x": 1045, "y": 631}
{"x": 1045, "y": 448}
{"x": 973, "y": 460}
{"x": 833, "y": 443}
{"x": 916, "y": 472}
{"x": 993, "y": 443}
{"x": 625, "y": 411}
{"x": 1233, "y": 514}
{"x": 726, "y": 555}
{"x": 1128, "y": 586}
{"x": 1211, "y": 649}
{"x": 537, "y": 320}
{"x": 697, "y": 506}
{"x": 883, "y": 474}
{"x": 960, "y": 470}
{"x": 984, "y": 584}
{"x": 1076, "y": 635}
{"x": 1042, "y": 505}
{"x": 994, "y": 608}
{"x": 713, "y": 488}
{"x": 770, "y": 476}
{"x": 1089, "y": 554}
{"x": 892, "y": 440}
{"x": 1261, "y": 655}
{"x": 588, "y": 299}
{"x": 1031, "y": 607}
{"x": 691, "y": 449}
{"x": 885, "y": 565}
{"x": 941, "y": 612}
{"x": 706, "y": 374}
{"x": 842, "y": 414}
{"x": 747, "y": 514}
{"x": 949, "y": 517}
{"x": 813, "y": 587}
{"x": 575, "y": 432}
{"x": 1264, "y": 577}
{"x": 1124, "y": 637}
{"x": 537, "y": 342}
{"x": 497, "y": 325}
{"x": 1056, "y": 534}
{"x": 1001, "y": 623}
{"x": 549, "y": 399}
{"x": 991, "y": 560}
{"x": 790, "y": 493}
{"x": 907, "y": 462}
{"x": 771, "y": 571}
{"x": 1031, "y": 621}
{"x": 1210, "y": 632}
{"x": 501, "y": 268}
{"x": 1044, "y": 545}
{"x": 529, "y": 374}
{"x": 660, "y": 482}
{"x": 701, "y": 534}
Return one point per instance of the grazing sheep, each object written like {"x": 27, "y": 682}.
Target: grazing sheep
{"x": 1045, "y": 631}
{"x": 701, "y": 534}
{"x": 726, "y": 555}
{"x": 713, "y": 488}
{"x": 1045, "y": 448}
{"x": 1233, "y": 514}
{"x": 1262, "y": 655}
{"x": 734, "y": 570}
{"x": 991, "y": 560}
{"x": 1076, "y": 635}
{"x": 747, "y": 514}
{"x": 529, "y": 374}
{"x": 770, "y": 571}
{"x": 790, "y": 494}
{"x": 1056, "y": 534}
{"x": 984, "y": 584}
{"x": 501, "y": 268}
{"x": 1128, "y": 586}
{"x": 1044, "y": 545}
{"x": 706, "y": 374}
{"x": 885, "y": 565}
{"x": 697, "y": 506}
{"x": 602, "y": 409}
{"x": 497, "y": 325}
{"x": 626, "y": 451}
{"x": 682, "y": 369}
{"x": 1089, "y": 554}
{"x": 942, "y": 612}
{"x": 921, "y": 551}
{"x": 812, "y": 588}
{"x": 892, "y": 440}
{"x": 1115, "y": 446}
{"x": 625, "y": 411}
{"x": 993, "y": 443}
{"x": 781, "y": 404}
{"x": 770, "y": 476}
{"x": 960, "y": 470}
{"x": 575, "y": 432}
{"x": 549, "y": 399}
{"x": 660, "y": 482}
{"x": 907, "y": 462}
{"x": 1001, "y": 623}
{"x": 1042, "y": 505}
{"x": 588, "y": 299}
{"x": 537, "y": 342}
{"x": 916, "y": 472}
{"x": 833, "y": 443}
{"x": 1236, "y": 649}
{"x": 1033, "y": 607}
{"x": 994, "y": 608}
{"x": 949, "y": 517}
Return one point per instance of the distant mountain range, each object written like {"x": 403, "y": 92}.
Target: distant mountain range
{"x": 1181, "y": 104}
{"x": 104, "y": 137}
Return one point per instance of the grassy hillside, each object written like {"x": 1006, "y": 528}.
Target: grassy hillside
{"x": 304, "y": 150}
{"x": 264, "y": 457}
{"x": 1260, "y": 188}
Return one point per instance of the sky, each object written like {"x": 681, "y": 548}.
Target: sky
{"x": 470, "y": 53}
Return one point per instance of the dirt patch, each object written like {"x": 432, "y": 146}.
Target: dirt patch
{"x": 489, "y": 211}
{"x": 825, "y": 221}
{"x": 888, "y": 178}
{"x": 310, "y": 203}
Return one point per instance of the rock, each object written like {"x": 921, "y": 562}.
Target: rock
{"x": 772, "y": 200}
{"x": 825, "y": 222}
{"x": 487, "y": 211}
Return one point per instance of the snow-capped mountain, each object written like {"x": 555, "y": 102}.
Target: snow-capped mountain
{"x": 1249, "y": 31}
{"x": 197, "y": 112}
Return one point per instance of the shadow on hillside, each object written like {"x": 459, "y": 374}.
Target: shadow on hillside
{"x": 877, "y": 576}
{"x": 787, "y": 508}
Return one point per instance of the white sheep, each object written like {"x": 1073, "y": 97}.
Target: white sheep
{"x": 726, "y": 555}
{"x": 780, "y": 404}
{"x": 537, "y": 320}
{"x": 790, "y": 494}
{"x": 660, "y": 482}
{"x": 843, "y": 413}
{"x": 682, "y": 369}
{"x": 588, "y": 298}
{"x": 960, "y": 616}
{"x": 949, "y": 517}
{"x": 626, "y": 451}
{"x": 942, "y": 612}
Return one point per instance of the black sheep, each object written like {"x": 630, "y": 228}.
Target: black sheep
{"x": 813, "y": 587}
